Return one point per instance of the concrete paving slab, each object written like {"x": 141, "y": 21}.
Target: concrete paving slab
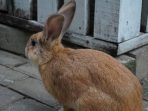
{"x": 7, "y": 96}
{"x": 29, "y": 69}
{"x": 9, "y": 76}
{"x": 27, "y": 105}
{"x": 35, "y": 89}
{"x": 141, "y": 55}
{"x": 10, "y": 60}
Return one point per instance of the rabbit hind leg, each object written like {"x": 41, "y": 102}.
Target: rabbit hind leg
{"x": 96, "y": 101}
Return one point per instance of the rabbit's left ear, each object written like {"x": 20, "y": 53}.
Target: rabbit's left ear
{"x": 53, "y": 27}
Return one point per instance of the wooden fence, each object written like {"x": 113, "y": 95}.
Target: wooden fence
{"x": 115, "y": 26}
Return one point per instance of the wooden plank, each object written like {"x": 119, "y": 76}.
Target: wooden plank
{"x": 45, "y": 8}
{"x": 90, "y": 42}
{"x": 144, "y": 16}
{"x": 21, "y": 23}
{"x": 111, "y": 48}
{"x": 3, "y": 5}
{"x": 117, "y": 20}
{"x": 80, "y": 22}
{"x": 133, "y": 43}
{"x": 147, "y": 25}
{"x": 22, "y": 8}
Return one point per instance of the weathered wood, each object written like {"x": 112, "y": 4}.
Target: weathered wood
{"x": 80, "y": 22}
{"x": 133, "y": 43}
{"x": 90, "y": 42}
{"x": 111, "y": 48}
{"x": 147, "y": 25}
{"x": 144, "y": 16}
{"x": 23, "y": 8}
{"x": 3, "y": 5}
{"x": 21, "y": 23}
{"x": 117, "y": 20}
{"x": 82, "y": 40}
{"x": 45, "y": 8}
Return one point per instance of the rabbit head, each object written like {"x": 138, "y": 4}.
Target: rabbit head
{"x": 41, "y": 46}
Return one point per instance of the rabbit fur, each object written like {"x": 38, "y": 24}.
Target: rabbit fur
{"x": 81, "y": 79}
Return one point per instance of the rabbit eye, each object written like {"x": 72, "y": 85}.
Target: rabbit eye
{"x": 33, "y": 42}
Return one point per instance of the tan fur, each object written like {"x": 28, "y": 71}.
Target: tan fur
{"x": 91, "y": 81}
{"x": 85, "y": 79}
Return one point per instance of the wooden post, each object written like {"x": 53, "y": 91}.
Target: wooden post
{"x": 80, "y": 22}
{"x": 45, "y": 8}
{"x": 144, "y": 17}
{"x": 22, "y": 8}
{"x": 117, "y": 20}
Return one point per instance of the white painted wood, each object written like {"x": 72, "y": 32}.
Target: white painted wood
{"x": 117, "y": 20}
{"x": 133, "y": 43}
{"x": 106, "y": 19}
{"x": 45, "y": 8}
{"x": 144, "y": 16}
{"x": 22, "y": 8}
{"x": 130, "y": 16}
{"x": 80, "y": 22}
{"x": 3, "y": 5}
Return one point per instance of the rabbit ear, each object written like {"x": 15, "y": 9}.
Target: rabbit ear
{"x": 53, "y": 27}
{"x": 67, "y": 11}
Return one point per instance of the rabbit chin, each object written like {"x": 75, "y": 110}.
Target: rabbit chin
{"x": 34, "y": 59}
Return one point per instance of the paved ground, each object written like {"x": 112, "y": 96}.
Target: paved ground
{"x": 21, "y": 88}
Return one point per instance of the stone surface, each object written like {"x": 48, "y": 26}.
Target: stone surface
{"x": 128, "y": 61}
{"x": 27, "y": 105}
{"x": 141, "y": 55}
{"x": 29, "y": 69}
{"x": 7, "y": 96}
{"x": 13, "y": 39}
{"x": 9, "y": 76}
{"x": 35, "y": 89}
{"x": 10, "y": 60}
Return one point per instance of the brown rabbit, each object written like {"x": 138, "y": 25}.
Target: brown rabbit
{"x": 82, "y": 79}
